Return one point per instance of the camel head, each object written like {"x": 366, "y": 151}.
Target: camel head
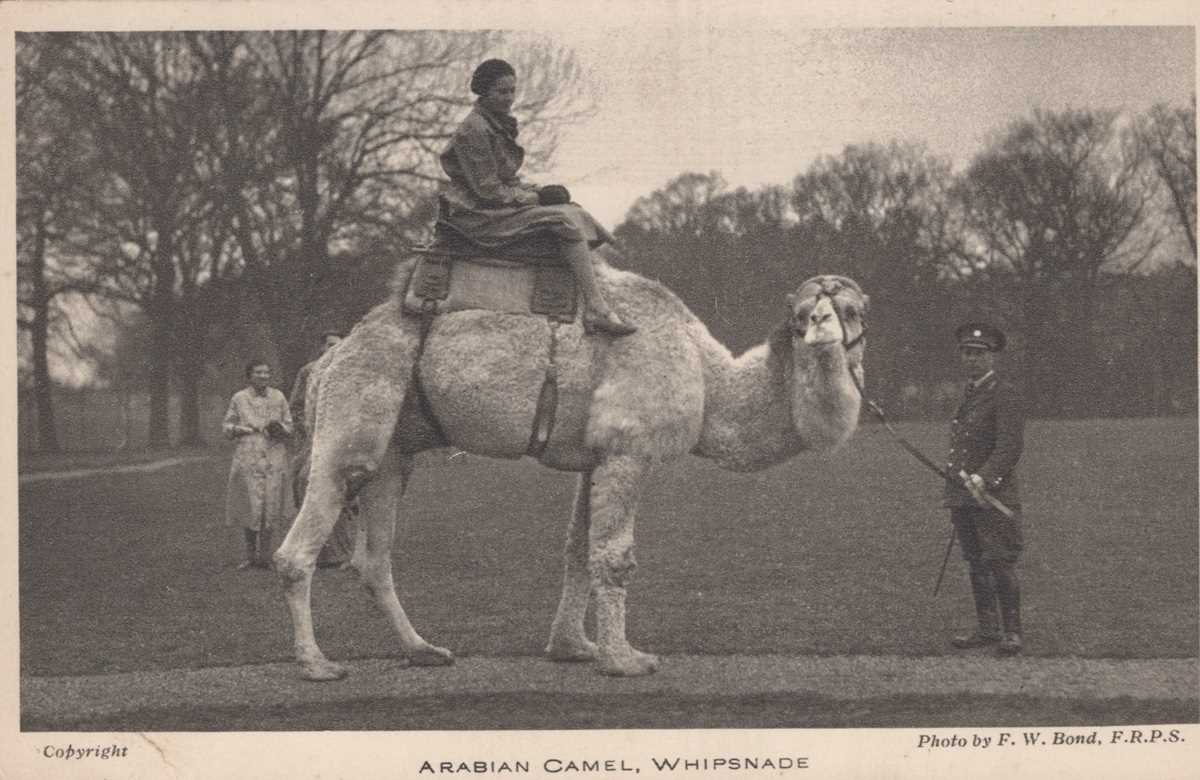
{"x": 829, "y": 310}
{"x": 826, "y": 326}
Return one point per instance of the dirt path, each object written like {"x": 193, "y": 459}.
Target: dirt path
{"x": 68, "y": 699}
{"x": 144, "y": 468}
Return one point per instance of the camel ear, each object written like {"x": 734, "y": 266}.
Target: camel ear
{"x": 791, "y": 300}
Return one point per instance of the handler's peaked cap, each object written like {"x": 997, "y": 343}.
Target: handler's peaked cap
{"x": 980, "y": 334}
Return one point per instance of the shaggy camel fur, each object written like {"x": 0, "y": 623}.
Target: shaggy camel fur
{"x": 624, "y": 405}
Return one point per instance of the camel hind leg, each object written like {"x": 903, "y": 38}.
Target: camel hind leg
{"x": 295, "y": 560}
{"x": 379, "y": 505}
{"x": 568, "y": 639}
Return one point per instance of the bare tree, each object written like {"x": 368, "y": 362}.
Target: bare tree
{"x": 54, "y": 170}
{"x": 687, "y": 235}
{"x": 1168, "y": 138}
{"x": 134, "y": 97}
{"x": 881, "y": 214}
{"x": 1058, "y": 202}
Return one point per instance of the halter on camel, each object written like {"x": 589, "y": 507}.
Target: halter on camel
{"x": 829, "y": 287}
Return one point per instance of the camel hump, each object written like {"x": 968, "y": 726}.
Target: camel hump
{"x": 443, "y": 283}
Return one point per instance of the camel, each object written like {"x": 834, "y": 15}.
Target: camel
{"x": 624, "y": 406}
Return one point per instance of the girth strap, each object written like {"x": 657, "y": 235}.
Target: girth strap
{"x": 429, "y": 311}
{"x": 547, "y": 404}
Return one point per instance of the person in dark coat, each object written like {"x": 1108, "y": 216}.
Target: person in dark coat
{"x": 296, "y": 400}
{"x": 986, "y": 439}
{"x": 488, "y": 202}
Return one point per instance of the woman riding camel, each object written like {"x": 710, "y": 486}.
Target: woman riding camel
{"x": 489, "y": 203}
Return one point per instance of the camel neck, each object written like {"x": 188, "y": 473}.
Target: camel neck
{"x": 774, "y": 401}
{"x": 747, "y": 408}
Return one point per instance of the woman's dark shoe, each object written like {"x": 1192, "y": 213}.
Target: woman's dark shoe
{"x": 608, "y": 324}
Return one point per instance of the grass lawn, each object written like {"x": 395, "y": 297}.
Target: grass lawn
{"x": 818, "y": 556}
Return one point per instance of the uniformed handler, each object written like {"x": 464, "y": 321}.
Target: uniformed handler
{"x": 986, "y": 439}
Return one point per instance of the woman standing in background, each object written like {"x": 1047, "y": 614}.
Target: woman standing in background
{"x": 258, "y": 497}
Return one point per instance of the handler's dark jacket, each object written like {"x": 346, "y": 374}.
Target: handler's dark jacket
{"x": 986, "y": 438}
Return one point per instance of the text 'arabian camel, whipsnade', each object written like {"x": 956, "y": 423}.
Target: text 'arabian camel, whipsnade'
{"x": 623, "y": 406}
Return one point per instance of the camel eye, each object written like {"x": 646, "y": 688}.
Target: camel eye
{"x": 800, "y": 317}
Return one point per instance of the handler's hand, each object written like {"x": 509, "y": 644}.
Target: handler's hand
{"x": 974, "y": 483}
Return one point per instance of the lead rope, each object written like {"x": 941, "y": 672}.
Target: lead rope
{"x": 871, "y": 405}
{"x": 912, "y": 450}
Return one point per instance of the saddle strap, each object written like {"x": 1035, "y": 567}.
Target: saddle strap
{"x": 547, "y": 404}
{"x": 423, "y": 404}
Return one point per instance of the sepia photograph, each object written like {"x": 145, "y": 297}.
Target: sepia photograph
{"x": 699, "y": 389}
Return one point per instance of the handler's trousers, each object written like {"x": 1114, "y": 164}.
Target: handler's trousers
{"x": 991, "y": 544}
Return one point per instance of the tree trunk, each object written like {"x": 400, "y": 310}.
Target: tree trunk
{"x": 257, "y": 328}
{"x": 39, "y": 333}
{"x": 189, "y": 406}
{"x": 161, "y": 312}
{"x": 43, "y": 388}
{"x": 160, "y": 390}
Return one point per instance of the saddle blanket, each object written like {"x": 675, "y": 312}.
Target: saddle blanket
{"x": 443, "y": 283}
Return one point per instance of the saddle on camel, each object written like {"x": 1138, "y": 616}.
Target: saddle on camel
{"x": 529, "y": 276}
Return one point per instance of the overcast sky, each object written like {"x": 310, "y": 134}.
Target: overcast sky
{"x": 759, "y": 105}
{"x": 753, "y": 89}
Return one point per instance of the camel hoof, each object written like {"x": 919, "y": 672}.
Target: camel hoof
{"x": 634, "y": 663}
{"x": 431, "y": 656}
{"x": 571, "y": 651}
{"x": 322, "y": 671}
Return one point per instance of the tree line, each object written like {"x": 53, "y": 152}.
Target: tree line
{"x": 1073, "y": 230}
{"x": 218, "y": 193}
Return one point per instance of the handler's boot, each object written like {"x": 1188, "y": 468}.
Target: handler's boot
{"x": 1008, "y": 591}
{"x": 988, "y": 630}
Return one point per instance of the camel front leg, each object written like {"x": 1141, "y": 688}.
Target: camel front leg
{"x": 615, "y": 489}
{"x": 295, "y": 560}
{"x": 379, "y": 504}
{"x": 568, "y": 639}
